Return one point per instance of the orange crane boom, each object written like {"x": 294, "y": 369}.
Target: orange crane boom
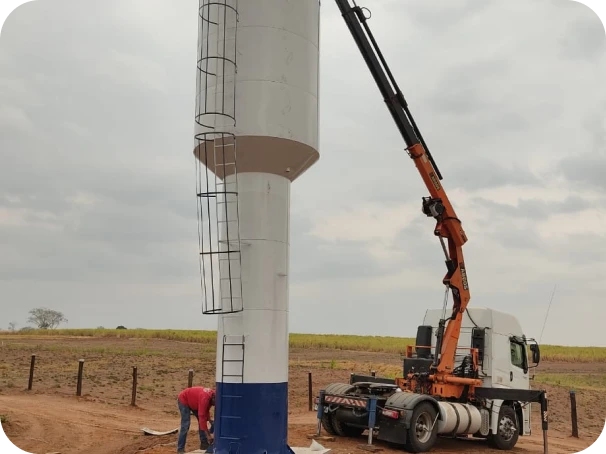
{"x": 437, "y": 205}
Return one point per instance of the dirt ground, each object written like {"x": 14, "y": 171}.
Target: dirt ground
{"x": 50, "y": 418}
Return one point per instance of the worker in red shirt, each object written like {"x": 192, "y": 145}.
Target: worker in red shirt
{"x": 196, "y": 400}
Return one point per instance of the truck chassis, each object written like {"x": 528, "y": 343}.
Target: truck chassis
{"x": 414, "y": 421}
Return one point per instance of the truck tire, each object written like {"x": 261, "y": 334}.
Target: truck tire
{"x": 345, "y": 430}
{"x": 419, "y": 437}
{"x": 507, "y": 430}
{"x": 327, "y": 420}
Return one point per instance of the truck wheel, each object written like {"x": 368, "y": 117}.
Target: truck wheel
{"x": 507, "y": 430}
{"x": 345, "y": 430}
{"x": 327, "y": 420}
{"x": 421, "y": 436}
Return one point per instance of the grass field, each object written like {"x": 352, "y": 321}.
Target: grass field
{"x": 313, "y": 341}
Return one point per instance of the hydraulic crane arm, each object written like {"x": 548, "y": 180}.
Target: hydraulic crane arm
{"x": 448, "y": 226}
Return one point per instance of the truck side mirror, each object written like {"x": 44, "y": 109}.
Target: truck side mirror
{"x": 536, "y": 354}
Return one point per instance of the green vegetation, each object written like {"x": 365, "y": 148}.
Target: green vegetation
{"x": 576, "y": 354}
{"x": 347, "y": 342}
{"x": 594, "y": 381}
{"x": 3, "y": 419}
{"x": 394, "y": 345}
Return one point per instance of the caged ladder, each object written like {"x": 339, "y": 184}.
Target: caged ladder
{"x": 216, "y": 172}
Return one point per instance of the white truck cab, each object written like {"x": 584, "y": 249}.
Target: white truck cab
{"x": 503, "y": 355}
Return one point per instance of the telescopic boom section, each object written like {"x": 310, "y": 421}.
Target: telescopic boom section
{"x": 438, "y": 206}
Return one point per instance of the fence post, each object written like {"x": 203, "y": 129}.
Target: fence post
{"x": 79, "y": 385}
{"x": 31, "y": 373}
{"x": 190, "y": 378}
{"x": 310, "y": 391}
{"x": 133, "y": 400}
{"x": 573, "y": 414}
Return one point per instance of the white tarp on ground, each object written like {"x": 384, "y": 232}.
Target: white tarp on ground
{"x": 314, "y": 448}
{"x": 148, "y": 431}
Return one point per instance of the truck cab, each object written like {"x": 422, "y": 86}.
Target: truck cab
{"x": 503, "y": 354}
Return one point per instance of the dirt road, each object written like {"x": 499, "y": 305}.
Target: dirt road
{"x": 41, "y": 424}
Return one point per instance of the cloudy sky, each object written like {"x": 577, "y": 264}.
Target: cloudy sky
{"x": 97, "y": 183}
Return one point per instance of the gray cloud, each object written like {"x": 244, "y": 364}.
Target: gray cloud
{"x": 450, "y": 16}
{"x": 315, "y": 259}
{"x": 585, "y": 169}
{"x": 415, "y": 246}
{"x": 585, "y": 37}
{"x": 534, "y": 209}
{"x": 97, "y": 206}
{"x": 483, "y": 173}
{"x": 458, "y": 94}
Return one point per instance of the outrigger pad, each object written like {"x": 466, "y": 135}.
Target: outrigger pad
{"x": 370, "y": 448}
{"x": 321, "y": 437}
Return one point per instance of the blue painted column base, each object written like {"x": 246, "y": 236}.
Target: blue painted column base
{"x": 251, "y": 418}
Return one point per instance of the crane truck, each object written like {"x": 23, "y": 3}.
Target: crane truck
{"x": 467, "y": 373}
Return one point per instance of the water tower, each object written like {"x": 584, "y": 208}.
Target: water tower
{"x": 256, "y": 132}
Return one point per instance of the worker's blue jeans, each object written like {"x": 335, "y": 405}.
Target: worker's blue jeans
{"x": 185, "y": 423}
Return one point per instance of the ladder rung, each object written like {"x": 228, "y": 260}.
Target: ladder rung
{"x": 222, "y": 252}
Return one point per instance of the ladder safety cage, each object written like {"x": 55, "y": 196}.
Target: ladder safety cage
{"x": 215, "y": 158}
